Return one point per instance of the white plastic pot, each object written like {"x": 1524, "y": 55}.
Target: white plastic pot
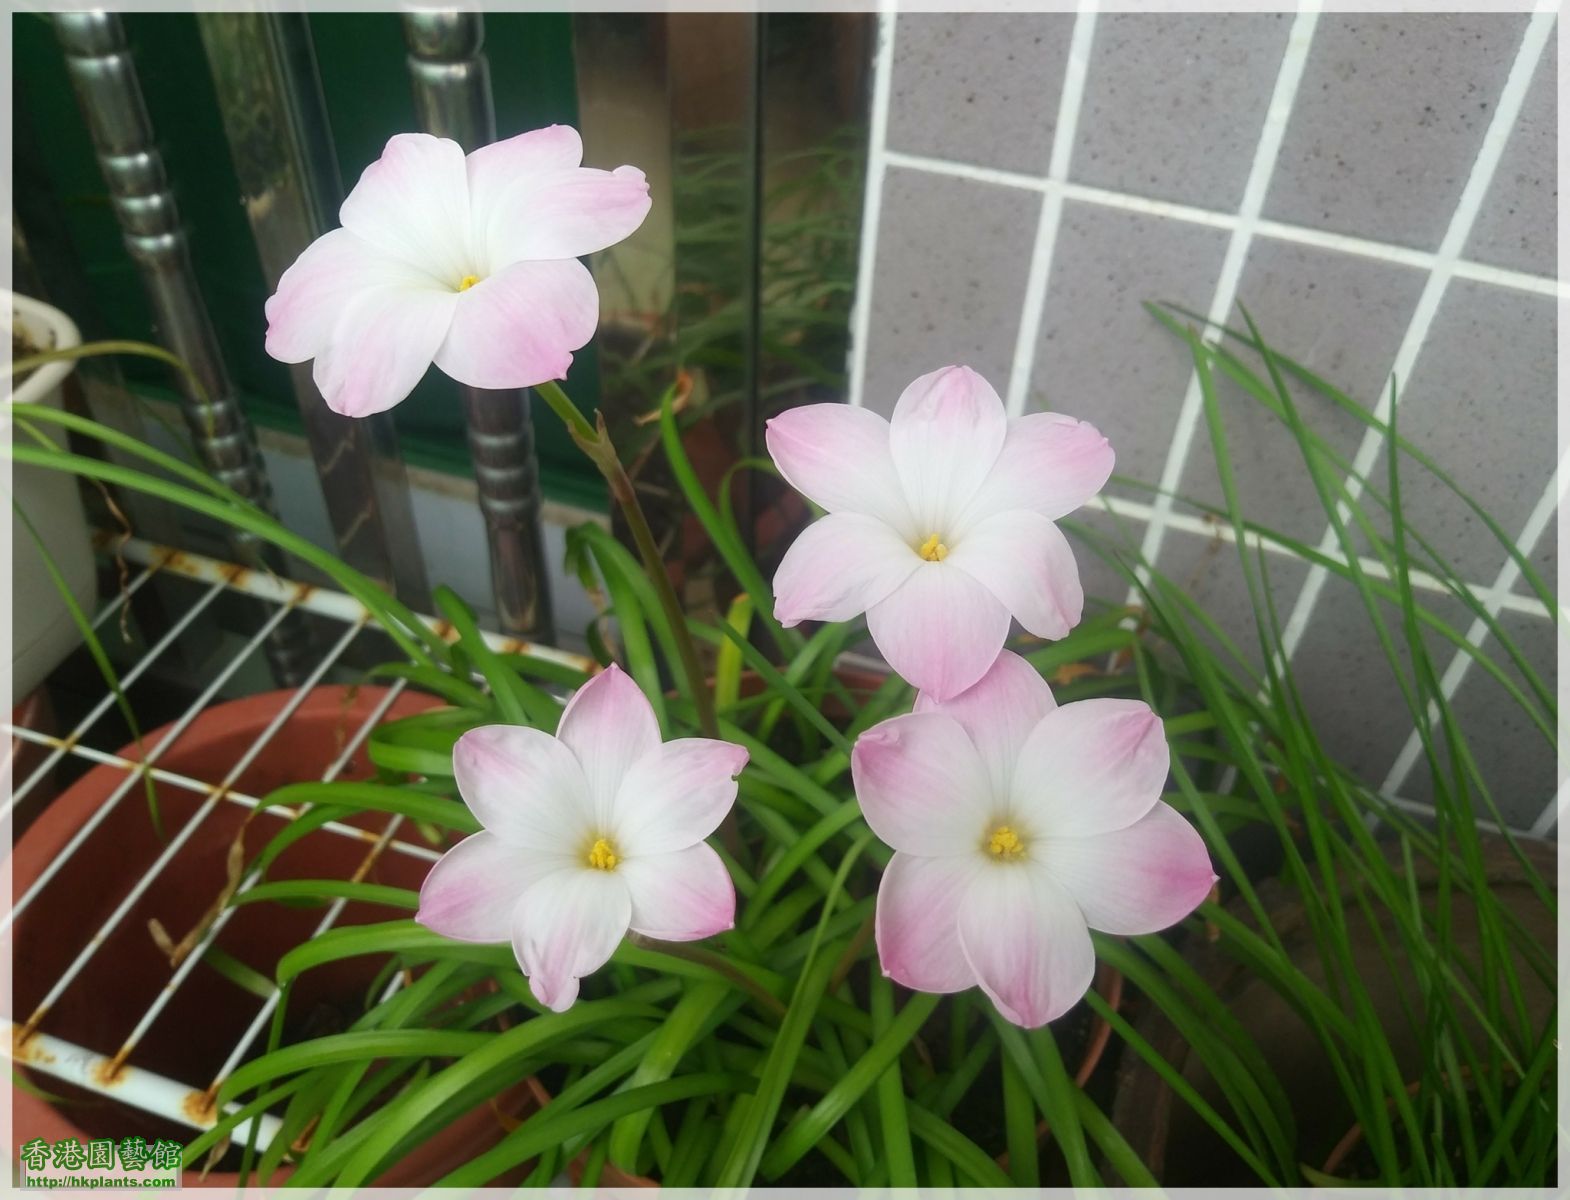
{"x": 42, "y": 630}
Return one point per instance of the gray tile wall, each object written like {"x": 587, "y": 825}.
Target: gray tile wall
{"x": 1405, "y": 223}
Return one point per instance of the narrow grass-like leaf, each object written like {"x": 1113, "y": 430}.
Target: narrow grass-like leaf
{"x": 747, "y": 1147}
{"x": 855, "y": 1083}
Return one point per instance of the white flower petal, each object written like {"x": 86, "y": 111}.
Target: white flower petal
{"x": 1027, "y": 942}
{"x": 566, "y": 926}
{"x": 609, "y": 725}
{"x": 519, "y": 328}
{"x": 675, "y": 796}
{"x": 471, "y": 890}
{"x": 681, "y": 896}
{"x": 839, "y": 567}
{"x": 1050, "y": 464}
{"x": 940, "y": 629}
{"x": 998, "y": 711}
{"x": 313, "y": 293}
{"x": 1091, "y": 767}
{"x": 564, "y": 214}
{"x": 413, "y": 202}
{"x": 382, "y": 344}
{"x": 918, "y": 922}
{"x": 532, "y": 200}
{"x": 1025, "y": 561}
{"x": 493, "y": 170}
{"x": 837, "y": 455}
{"x": 525, "y": 787}
{"x": 945, "y": 434}
{"x": 922, "y": 786}
{"x": 1136, "y": 880}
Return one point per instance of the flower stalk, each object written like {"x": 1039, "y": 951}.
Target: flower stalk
{"x": 595, "y": 442}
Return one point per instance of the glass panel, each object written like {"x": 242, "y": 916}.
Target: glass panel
{"x": 752, "y": 131}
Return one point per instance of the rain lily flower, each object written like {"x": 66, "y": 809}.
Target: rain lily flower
{"x": 588, "y": 834}
{"x": 940, "y": 523}
{"x": 1019, "y": 826}
{"x": 468, "y": 262}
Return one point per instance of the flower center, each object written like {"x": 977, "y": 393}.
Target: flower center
{"x": 1005, "y": 843}
{"x": 603, "y": 856}
{"x": 467, "y": 282}
{"x": 932, "y": 549}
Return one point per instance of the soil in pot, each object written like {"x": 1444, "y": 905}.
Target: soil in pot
{"x": 207, "y": 1015}
{"x": 1182, "y": 1150}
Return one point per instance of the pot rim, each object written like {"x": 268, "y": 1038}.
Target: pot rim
{"x": 66, "y": 336}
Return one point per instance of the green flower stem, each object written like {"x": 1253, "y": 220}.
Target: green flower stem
{"x": 595, "y": 442}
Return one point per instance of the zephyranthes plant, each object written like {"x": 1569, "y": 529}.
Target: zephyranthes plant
{"x": 943, "y": 527}
{"x": 1022, "y": 814}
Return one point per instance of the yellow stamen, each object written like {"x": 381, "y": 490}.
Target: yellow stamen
{"x": 602, "y": 855}
{"x": 467, "y": 282}
{"x": 932, "y": 549}
{"x": 1005, "y": 843}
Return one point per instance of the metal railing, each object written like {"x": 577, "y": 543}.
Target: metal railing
{"x": 270, "y": 99}
{"x": 111, "y": 1070}
{"x": 275, "y": 122}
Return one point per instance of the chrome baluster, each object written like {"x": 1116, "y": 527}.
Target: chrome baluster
{"x": 452, "y": 95}
{"x": 264, "y": 70}
{"x": 103, "y": 74}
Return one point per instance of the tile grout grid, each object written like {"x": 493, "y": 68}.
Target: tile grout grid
{"x": 872, "y": 202}
{"x": 1506, "y": 109}
{"x": 1244, "y": 226}
{"x": 98, "y": 1068}
{"x": 1267, "y": 150}
{"x": 1064, "y": 131}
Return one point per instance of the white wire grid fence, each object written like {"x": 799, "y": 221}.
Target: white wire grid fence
{"x": 112, "y": 1070}
{"x": 1244, "y": 227}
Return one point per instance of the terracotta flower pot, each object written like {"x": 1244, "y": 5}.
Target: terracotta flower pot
{"x": 207, "y": 1015}
{"x": 36, "y": 713}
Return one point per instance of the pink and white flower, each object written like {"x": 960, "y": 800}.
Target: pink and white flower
{"x": 1019, "y": 826}
{"x": 467, "y": 262}
{"x": 588, "y": 834}
{"x": 940, "y": 523}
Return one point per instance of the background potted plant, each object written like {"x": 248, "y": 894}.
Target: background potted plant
{"x": 46, "y": 509}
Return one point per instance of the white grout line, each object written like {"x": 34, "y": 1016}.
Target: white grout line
{"x": 1419, "y": 808}
{"x": 1551, "y": 813}
{"x": 1266, "y": 152}
{"x": 1478, "y": 631}
{"x": 1064, "y": 132}
{"x": 1373, "y": 568}
{"x": 872, "y": 205}
{"x": 1538, "y": 31}
{"x": 1301, "y": 235}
